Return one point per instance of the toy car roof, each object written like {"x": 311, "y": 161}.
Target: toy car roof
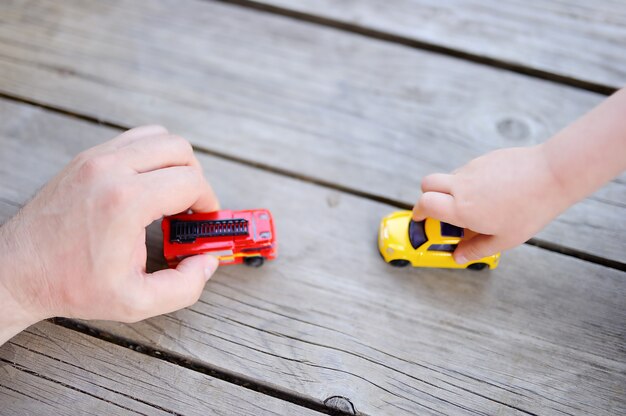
{"x": 442, "y": 232}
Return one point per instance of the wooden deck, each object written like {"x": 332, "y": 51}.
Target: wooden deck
{"x": 327, "y": 113}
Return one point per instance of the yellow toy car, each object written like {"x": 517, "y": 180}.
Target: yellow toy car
{"x": 428, "y": 243}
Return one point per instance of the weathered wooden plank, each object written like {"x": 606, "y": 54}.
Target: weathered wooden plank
{"x": 576, "y": 39}
{"x": 318, "y": 103}
{"x": 543, "y": 334}
{"x": 49, "y": 369}
{"x": 24, "y": 393}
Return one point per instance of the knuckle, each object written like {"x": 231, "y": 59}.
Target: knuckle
{"x": 180, "y": 142}
{"x": 92, "y": 167}
{"x": 81, "y": 158}
{"x": 429, "y": 178}
{"x": 194, "y": 295}
{"x": 191, "y": 297}
{"x": 134, "y": 150}
{"x": 193, "y": 292}
{"x": 464, "y": 205}
{"x": 151, "y": 129}
{"x": 466, "y": 201}
{"x": 157, "y": 128}
{"x": 427, "y": 201}
{"x": 115, "y": 196}
{"x": 194, "y": 176}
{"x": 427, "y": 197}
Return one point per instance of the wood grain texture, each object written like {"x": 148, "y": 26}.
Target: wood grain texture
{"x": 310, "y": 101}
{"x": 49, "y": 369}
{"x": 577, "y": 39}
{"x": 543, "y": 334}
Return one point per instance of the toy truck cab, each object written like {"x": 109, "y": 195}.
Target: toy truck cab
{"x": 427, "y": 243}
{"x": 232, "y": 236}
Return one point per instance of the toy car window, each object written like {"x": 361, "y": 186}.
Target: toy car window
{"x": 417, "y": 236}
{"x": 442, "y": 247}
{"x": 188, "y": 231}
{"x": 449, "y": 230}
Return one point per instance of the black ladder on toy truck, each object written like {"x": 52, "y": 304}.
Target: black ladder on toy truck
{"x": 188, "y": 231}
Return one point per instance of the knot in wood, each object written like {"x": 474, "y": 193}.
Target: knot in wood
{"x": 340, "y": 403}
{"x": 513, "y": 129}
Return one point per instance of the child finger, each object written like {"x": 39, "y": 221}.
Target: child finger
{"x": 437, "y": 205}
{"x": 437, "y": 182}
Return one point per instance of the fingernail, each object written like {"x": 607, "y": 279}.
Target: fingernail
{"x": 212, "y": 264}
{"x": 460, "y": 259}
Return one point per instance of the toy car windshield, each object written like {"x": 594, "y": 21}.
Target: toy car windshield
{"x": 417, "y": 235}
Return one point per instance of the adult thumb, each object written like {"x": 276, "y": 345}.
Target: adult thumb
{"x": 173, "y": 289}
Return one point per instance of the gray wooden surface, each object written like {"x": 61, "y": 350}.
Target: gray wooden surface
{"x": 330, "y": 130}
{"x": 52, "y": 370}
{"x": 329, "y": 318}
{"x": 582, "y": 40}
{"x": 375, "y": 120}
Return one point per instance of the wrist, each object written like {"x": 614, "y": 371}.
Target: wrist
{"x": 19, "y": 306}
{"x": 558, "y": 181}
{"x": 589, "y": 152}
{"x": 14, "y": 317}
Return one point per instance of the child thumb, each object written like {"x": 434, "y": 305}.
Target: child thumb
{"x": 480, "y": 246}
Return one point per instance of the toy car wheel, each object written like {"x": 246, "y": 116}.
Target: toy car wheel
{"x": 256, "y": 261}
{"x": 477, "y": 266}
{"x": 399, "y": 263}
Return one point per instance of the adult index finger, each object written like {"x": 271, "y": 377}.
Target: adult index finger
{"x": 172, "y": 190}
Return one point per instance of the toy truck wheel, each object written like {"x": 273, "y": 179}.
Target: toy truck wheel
{"x": 399, "y": 263}
{"x": 477, "y": 266}
{"x": 255, "y": 261}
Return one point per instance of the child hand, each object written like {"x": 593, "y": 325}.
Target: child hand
{"x": 78, "y": 248}
{"x": 504, "y": 197}
{"x": 508, "y": 195}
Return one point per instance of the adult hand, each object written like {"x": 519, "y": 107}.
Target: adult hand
{"x": 78, "y": 248}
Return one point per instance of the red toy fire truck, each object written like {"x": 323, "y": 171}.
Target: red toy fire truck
{"x": 232, "y": 236}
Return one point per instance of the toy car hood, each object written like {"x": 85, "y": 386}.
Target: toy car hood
{"x": 394, "y": 228}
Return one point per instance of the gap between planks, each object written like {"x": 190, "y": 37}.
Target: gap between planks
{"x": 19, "y": 367}
{"x": 424, "y": 45}
{"x": 545, "y": 245}
{"x": 215, "y": 372}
